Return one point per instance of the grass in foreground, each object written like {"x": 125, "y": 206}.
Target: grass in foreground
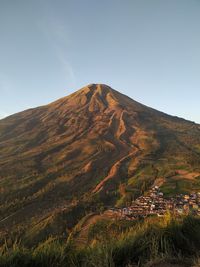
{"x": 166, "y": 239}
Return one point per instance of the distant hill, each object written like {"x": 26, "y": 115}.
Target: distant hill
{"x": 93, "y": 148}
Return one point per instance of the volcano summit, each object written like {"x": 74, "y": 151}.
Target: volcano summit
{"x": 95, "y": 146}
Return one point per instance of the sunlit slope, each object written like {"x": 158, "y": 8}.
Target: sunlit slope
{"x": 94, "y": 144}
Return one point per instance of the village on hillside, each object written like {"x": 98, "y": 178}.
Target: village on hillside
{"x": 154, "y": 204}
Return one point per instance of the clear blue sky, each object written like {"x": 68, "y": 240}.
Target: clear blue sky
{"x": 147, "y": 49}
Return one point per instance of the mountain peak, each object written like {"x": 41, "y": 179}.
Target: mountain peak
{"x": 91, "y": 142}
{"x": 96, "y": 87}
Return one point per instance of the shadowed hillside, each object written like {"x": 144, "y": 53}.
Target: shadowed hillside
{"x": 95, "y": 147}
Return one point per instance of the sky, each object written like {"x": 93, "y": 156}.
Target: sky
{"x": 146, "y": 49}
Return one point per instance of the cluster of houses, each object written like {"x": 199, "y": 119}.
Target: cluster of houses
{"x": 154, "y": 204}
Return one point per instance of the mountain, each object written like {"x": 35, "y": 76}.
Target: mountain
{"x": 92, "y": 148}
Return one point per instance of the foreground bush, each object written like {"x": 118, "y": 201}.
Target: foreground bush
{"x": 144, "y": 242}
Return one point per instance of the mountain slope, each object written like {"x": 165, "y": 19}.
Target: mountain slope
{"x": 93, "y": 146}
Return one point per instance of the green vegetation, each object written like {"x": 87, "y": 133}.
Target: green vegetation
{"x": 180, "y": 186}
{"x": 52, "y": 158}
{"x": 115, "y": 244}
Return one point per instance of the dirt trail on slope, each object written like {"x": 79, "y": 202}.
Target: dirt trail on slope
{"x": 114, "y": 170}
{"x": 82, "y": 238}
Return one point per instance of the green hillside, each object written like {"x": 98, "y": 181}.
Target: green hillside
{"x": 83, "y": 152}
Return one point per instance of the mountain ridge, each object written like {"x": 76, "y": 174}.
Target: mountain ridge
{"x": 88, "y": 87}
{"x": 93, "y": 147}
